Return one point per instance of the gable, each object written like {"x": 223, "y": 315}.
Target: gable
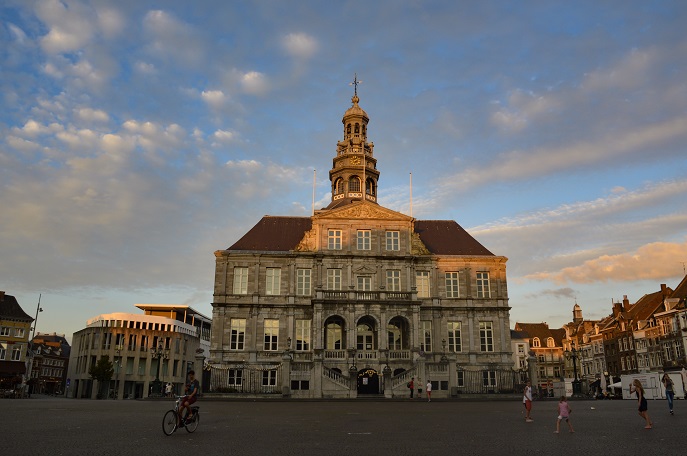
{"x": 362, "y": 210}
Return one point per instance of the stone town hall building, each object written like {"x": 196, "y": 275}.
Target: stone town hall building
{"x": 358, "y": 298}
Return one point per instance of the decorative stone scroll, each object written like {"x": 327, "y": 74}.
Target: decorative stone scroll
{"x": 418, "y": 247}
{"x": 308, "y": 243}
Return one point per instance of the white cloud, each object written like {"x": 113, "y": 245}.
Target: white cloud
{"x": 255, "y": 83}
{"x": 214, "y": 98}
{"x": 172, "y": 38}
{"x": 111, "y": 22}
{"x": 17, "y": 33}
{"x": 300, "y": 45}
{"x": 224, "y": 136}
{"x": 92, "y": 115}
{"x": 145, "y": 67}
{"x": 69, "y": 28}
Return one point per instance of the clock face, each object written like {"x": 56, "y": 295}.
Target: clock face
{"x": 355, "y": 160}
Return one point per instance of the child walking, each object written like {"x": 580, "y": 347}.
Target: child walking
{"x": 563, "y": 414}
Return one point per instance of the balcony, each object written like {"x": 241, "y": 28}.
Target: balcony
{"x": 366, "y": 296}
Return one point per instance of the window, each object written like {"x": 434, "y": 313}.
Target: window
{"x": 396, "y": 331}
{"x": 483, "y": 285}
{"x": 426, "y": 336}
{"x": 364, "y": 237}
{"x": 235, "y": 377}
{"x": 303, "y": 286}
{"x": 273, "y": 281}
{"x": 18, "y": 332}
{"x": 334, "y": 334}
{"x": 392, "y": 240}
{"x": 3, "y": 351}
{"x": 240, "y": 280}
{"x": 354, "y": 184}
{"x": 107, "y": 341}
{"x": 461, "y": 379}
{"x": 238, "y": 334}
{"x": 269, "y": 378}
{"x": 144, "y": 343}
{"x": 536, "y": 342}
{"x": 132, "y": 342}
{"x": 271, "y": 335}
{"x": 452, "y": 285}
{"x": 486, "y": 336}
{"x": 300, "y": 385}
{"x": 393, "y": 280}
{"x": 521, "y": 349}
{"x": 489, "y": 379}
{"x": 303, "y": 335}
{"x": 334, "y": 239}
{"x": 333, "y": 279}
{"x": 454, "y": 344}
{"x": 5, "y": 331}
{"x": 422, "y": 284}
{"x": 141, "y": 366}
{"x": 550, "y": 342}
{"x": 364, "y": 283}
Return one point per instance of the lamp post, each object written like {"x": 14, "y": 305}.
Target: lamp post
{"x": 574, "y": 354}
{"x": 118, "y": 351}
{"x": 444, "y": 358}
{"x": 158, "y": 353}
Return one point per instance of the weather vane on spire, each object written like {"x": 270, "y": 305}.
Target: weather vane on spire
{"x": 355, "y": 83}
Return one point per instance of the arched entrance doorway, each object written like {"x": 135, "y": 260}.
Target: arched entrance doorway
{"x": 368, "y": 381}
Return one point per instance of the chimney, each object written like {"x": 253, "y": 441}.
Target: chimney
{"x": 617, "y": 308}
{"x": 626, "y": 303}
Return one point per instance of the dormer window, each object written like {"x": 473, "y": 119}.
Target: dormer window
{"x": 550, "y": 342}
{"x": 536, "y": 342}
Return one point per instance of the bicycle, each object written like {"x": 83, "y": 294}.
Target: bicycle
{"x": 172, "y": 421}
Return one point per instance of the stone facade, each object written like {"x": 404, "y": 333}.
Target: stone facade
{"x": 358, "y": 298}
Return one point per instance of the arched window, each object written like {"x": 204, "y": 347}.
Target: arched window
{"x": 338, "y": 186}
{"x": 357, "y": 127}
{"x": 364, "y": 129}
{"x": 397, "y": 332}
{"x": 550, "y": 342}
{"x": 348, "y": 129}
{"x": 365, "y": 335}
{"x": 354, "y": 184}
{"x": 535, "y": 342}
{"x": 334, "y": 327}
{"x": 370, "y": 187}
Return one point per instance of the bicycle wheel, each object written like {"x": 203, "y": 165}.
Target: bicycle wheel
{"x": 193, "y": 425}
{"x": 169, "y": 422}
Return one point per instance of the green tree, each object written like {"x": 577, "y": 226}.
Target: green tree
{"x": 102, "y": 371}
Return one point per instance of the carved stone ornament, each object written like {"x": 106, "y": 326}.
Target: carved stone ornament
{"x": 365, "y": 211}
{"x": 418, "y": 247}
{"x": 308, "y": 243}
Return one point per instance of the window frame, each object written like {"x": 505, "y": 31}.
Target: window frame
{"x": 364, "y": 240}
{"x": 422, "y": 284}
{"x": 454, "y": 341}
{"x": 334, "y": 239}
{"x": 271, "y": 334}
{"x": 393, "y": 241}
{"x": 240, "y": 281}
{"x": 237, "y": 335}
{"x": 303, "y": 335}
{"x": 303, "y": 282}
{"x": 272, "y": 281}
{"x": 482, "y": 282}
{"x": 393, "y": 280}
{"x": 426, "y": 335}
{"x": 486, "y": 336}
{"x": 452, "y": 284}
{"x": 334, "y": 278}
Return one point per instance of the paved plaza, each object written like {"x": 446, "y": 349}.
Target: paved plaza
{"x": 58, "y": 426}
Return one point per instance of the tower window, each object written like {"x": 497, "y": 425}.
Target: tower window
{"x": 339, "y": 186}
{"x": 354, "y": 184}
{"x": 348, "y": 129}
{"x": 357, "y": 128}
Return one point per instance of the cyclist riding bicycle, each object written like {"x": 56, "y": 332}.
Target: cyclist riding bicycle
{"x": 192, "y": 388}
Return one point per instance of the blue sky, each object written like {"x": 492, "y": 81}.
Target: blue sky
{"x": 138, "y": 137}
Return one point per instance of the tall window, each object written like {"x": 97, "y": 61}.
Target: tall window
{"x": 426, "y": 336}
{"x": 333, "y": 279}
{"x": 354, "y": 184}
{"x": 489, "y": 379}
{"x": 5, "y": 331}
{"x": 364, "y": 237}
{"x": 536, "y": 342}
{"x": 364, "y": 283}
{"x": 269, "y": 378}
{"x": 107, "y": 340}
{"x": 235, "y": 377}
{"x": 303, "y": 286}
{"x": 303, "y": 335}
{"x": 16, "y": 352}
{"x": 396, "y": 331}
{"x": 273, "y": 281}
{"x": 454, "y": 344}
{"x": 238, "y": 334}
{"x": 392, "y": 240}
{"x": 334, "y": 333}
{"x": 271, "y": 335}
{"x": 240, "y": 280}
{"x": 452, "y": 285}
{"x": 486, "y": 336}
{"x": 393, "y": 280}
{"x": 422, "y": 284}
{"x": 144, "y": 343}
{"x": 334, "y": 239}
{"x": 483, "y": 285}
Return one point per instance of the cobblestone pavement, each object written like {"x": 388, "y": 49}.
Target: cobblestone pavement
{"x": 58, "y": 426}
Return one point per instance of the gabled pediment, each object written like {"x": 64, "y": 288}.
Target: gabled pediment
{"x": 364, "y": 270}
{"x": 363, "y": 210}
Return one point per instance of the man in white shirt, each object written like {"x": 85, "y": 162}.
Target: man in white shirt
{"x": 527, "y": 401}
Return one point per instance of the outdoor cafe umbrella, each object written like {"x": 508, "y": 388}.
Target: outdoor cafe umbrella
{"x": 603, "y": 383}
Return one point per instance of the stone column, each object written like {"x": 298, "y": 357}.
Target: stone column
{"x": 286, "y": 373}
{"x": 388, "y": 387}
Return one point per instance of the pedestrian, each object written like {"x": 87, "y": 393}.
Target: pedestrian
{"x": 670, "y": 390}
{"x": 637, "y": 387}
{"x": 563, "y": 414}
{"x": 527, "y": 401}
{"x": 411, "y": 385}
{"x": 429, "y": 391}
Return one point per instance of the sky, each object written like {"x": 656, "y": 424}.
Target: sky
{"x": 138, "y": 137}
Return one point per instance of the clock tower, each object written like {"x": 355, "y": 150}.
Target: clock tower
{"x": 354, "y": 169}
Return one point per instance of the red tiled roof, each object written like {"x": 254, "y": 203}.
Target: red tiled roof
{"x": 681, "y": 290}
{"x": 446, "y": 237}
{"x": 542, "y": 332}
{"x": 274, "y": 234}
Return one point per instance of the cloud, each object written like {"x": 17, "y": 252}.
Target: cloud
{"x": 172, "y": 38}
{"x": 255, "y": 83}
{"x": 17, "y": 33}
{"x": 214, "y": 98}
{"x": 69, "y": 28}
{"x": 654, "y": 261}
{"x": 300, "y": 45}
{"x": 92, "y": 115}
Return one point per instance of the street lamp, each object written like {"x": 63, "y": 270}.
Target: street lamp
{"x": 35, "y": 320}
{"x": 118, "y": 351}
{"x": 158, "y": 353}
{"x": 574, "y": 354}
{"x": 444, "y": 358}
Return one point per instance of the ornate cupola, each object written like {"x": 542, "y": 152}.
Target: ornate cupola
{"x": 354, "y": 162}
